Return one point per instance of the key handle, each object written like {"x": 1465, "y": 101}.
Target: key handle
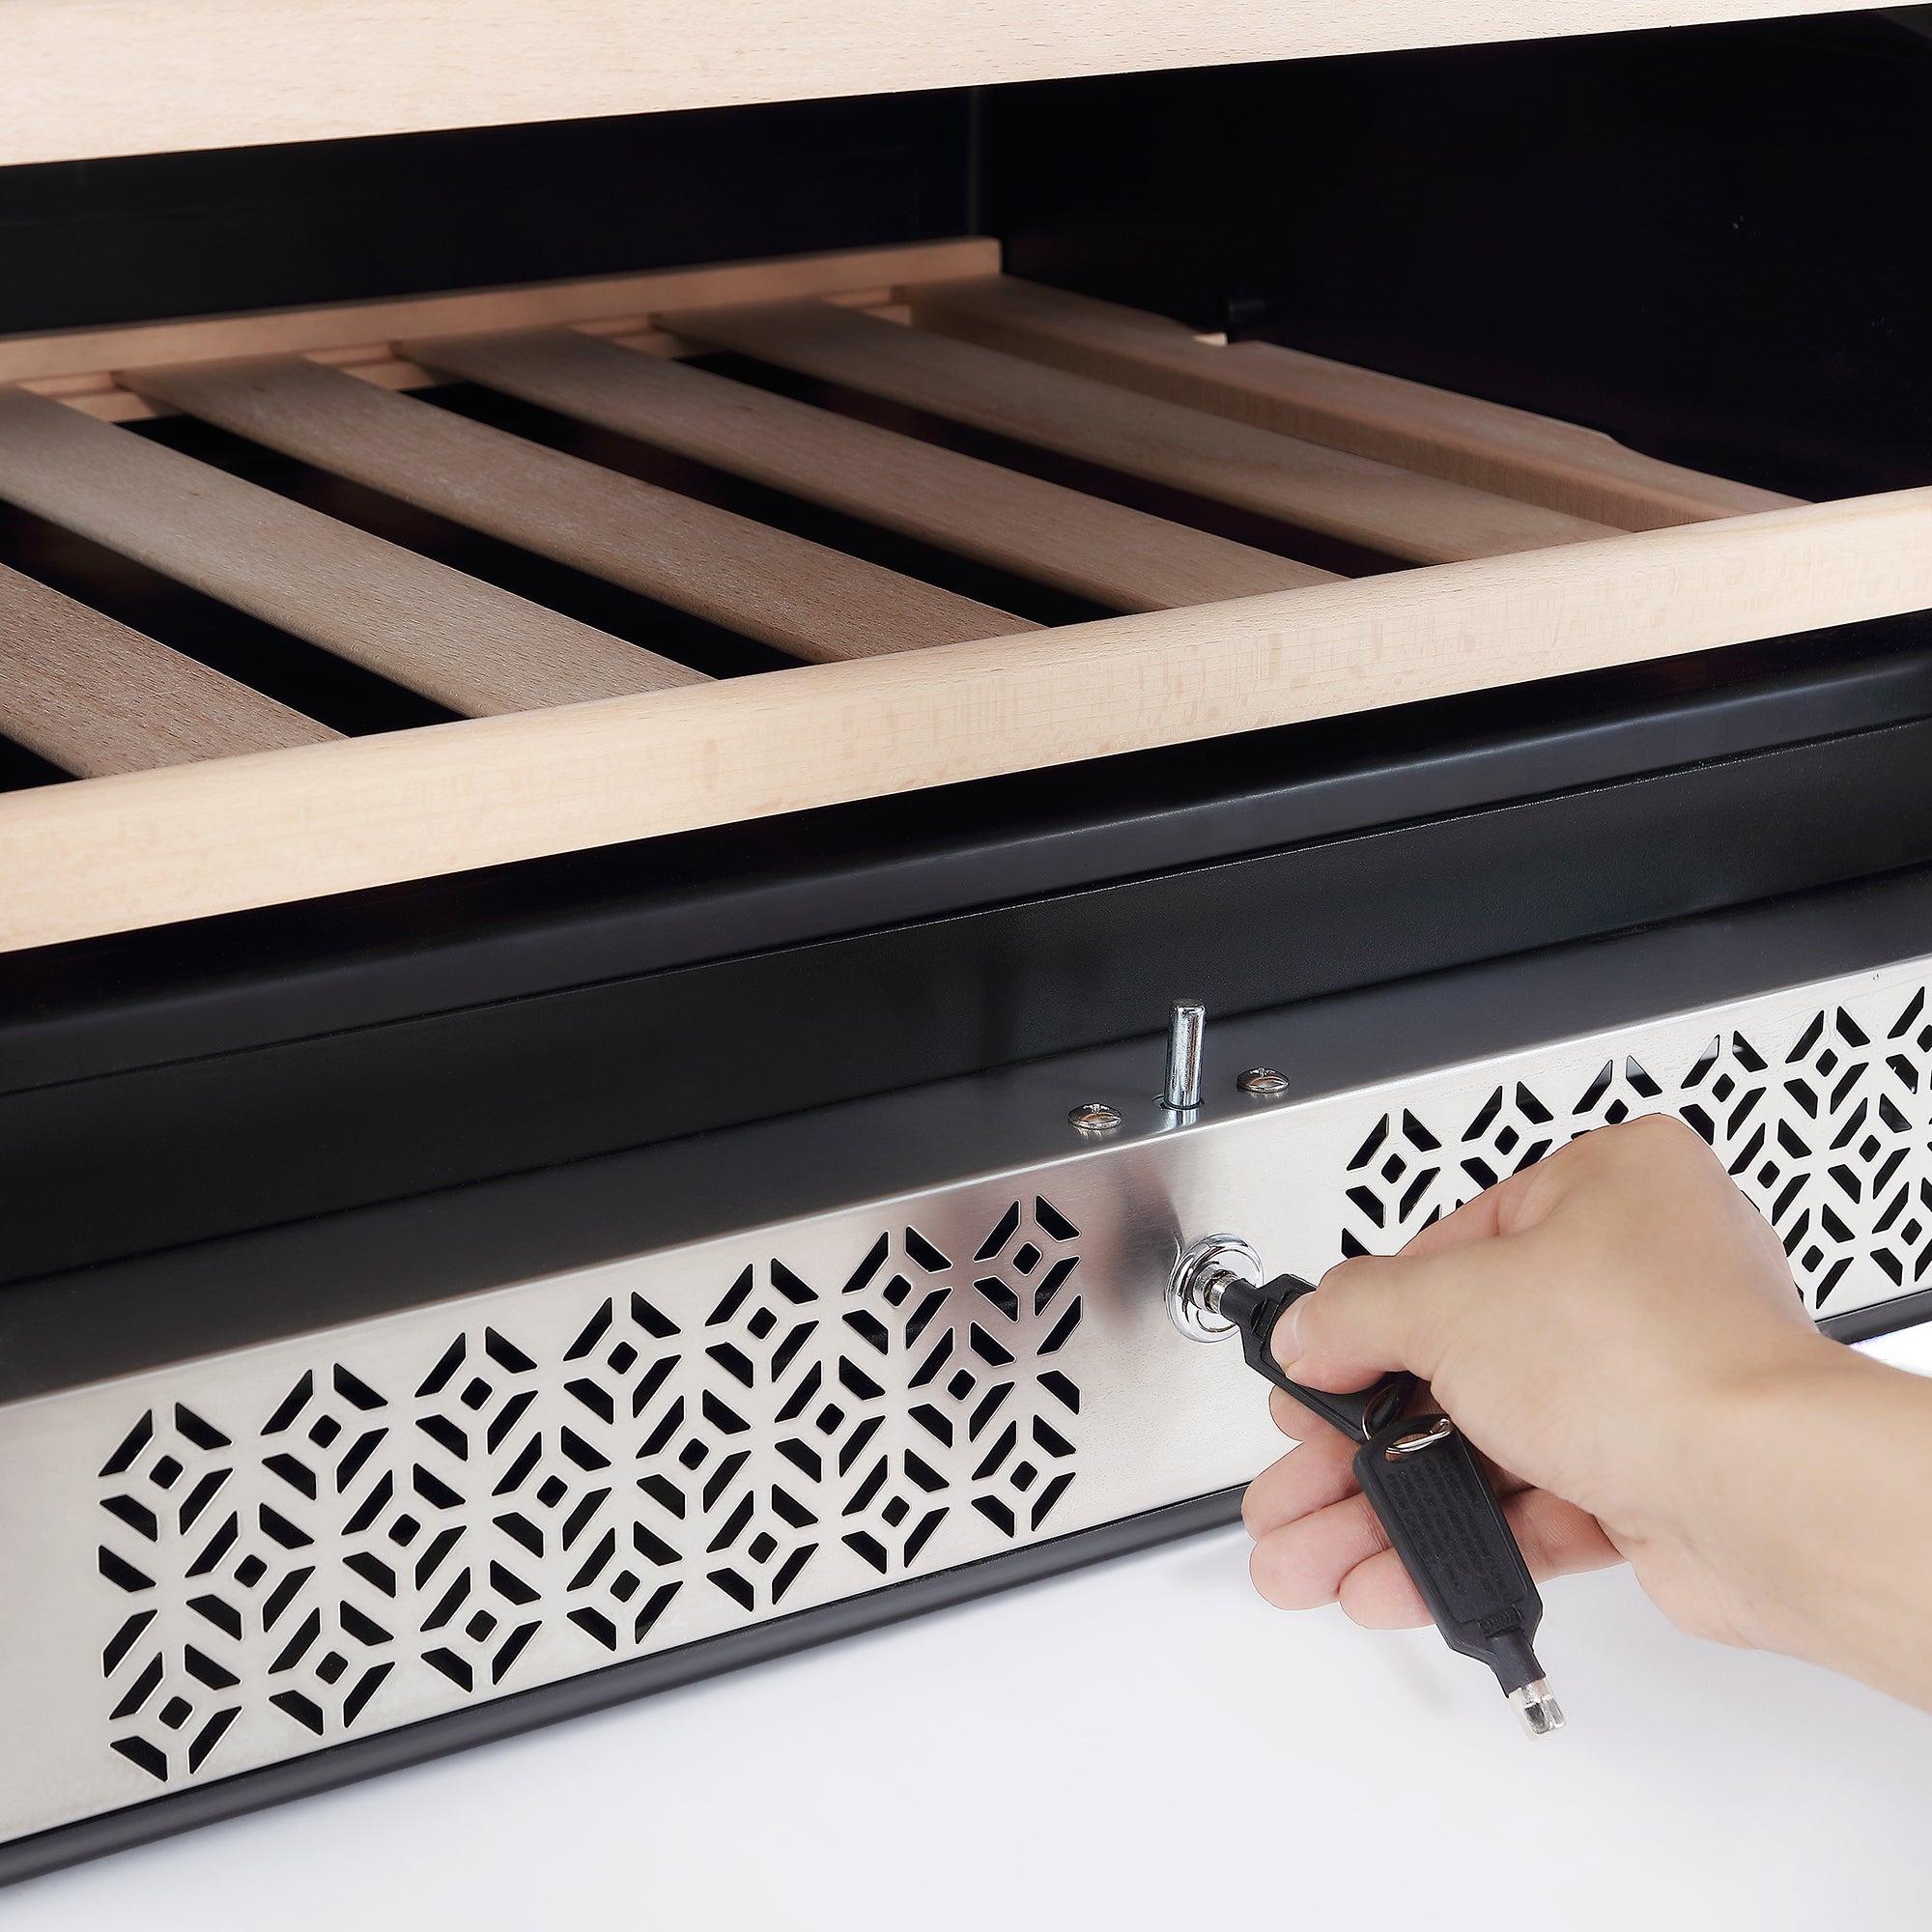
{"x": 1254, "y": 1311}
{"x": 1418, "y": 1472}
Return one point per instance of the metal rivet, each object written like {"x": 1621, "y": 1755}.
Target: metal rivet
{"x": 1262, "y": 1083}
{"x": 1093, "y": 1117}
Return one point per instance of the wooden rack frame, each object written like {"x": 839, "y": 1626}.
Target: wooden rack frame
{"x": 93, "y": 77}
{"x": 1543, "y": 550}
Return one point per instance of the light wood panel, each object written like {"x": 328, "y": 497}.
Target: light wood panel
{"x": 470, "y": 645}
{"x": 139, "y": 76}
{"x": 1117, "y": 556}
{"x": 1460, "y": 439}
{"x": 112, "y": 854}
{"x": 94, "y": 697}
{"x": 1391, "y": 510}
{"x": 360, "y": 333}
{"x": 814, "y": 602}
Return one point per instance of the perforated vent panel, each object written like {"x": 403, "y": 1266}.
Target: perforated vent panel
{"x": 1823, "y": 1115}
{"x": 223, "y": 1562}
{"x": 534, "y": 1498}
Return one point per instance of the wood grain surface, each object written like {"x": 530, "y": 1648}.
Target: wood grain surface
{"x": 107, "y": 855}
{"x": 1436, "y": 431}
{"x": 139, "y": 76}
{"x": 1395, "y": 511}
{"x": 467, "y": 644}
{"x": 815, "y": 602}
{"x": 94, "y": 697}
{"x": 361, "y": 331}
{"x": 1118, "y": 556}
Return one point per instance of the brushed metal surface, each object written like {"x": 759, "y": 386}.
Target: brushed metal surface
{"x": 226, "y": 1562}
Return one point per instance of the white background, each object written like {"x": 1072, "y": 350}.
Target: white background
{"x": 1141, "y": 1743}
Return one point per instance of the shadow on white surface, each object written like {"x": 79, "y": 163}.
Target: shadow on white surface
{"x": 1140, "y": 1745}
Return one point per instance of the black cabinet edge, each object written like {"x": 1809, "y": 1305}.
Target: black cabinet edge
{"x": 577, "y": 919}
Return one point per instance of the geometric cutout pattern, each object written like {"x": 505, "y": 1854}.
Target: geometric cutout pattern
{"x": 359, "y": 1538}
{"x": 330, "y": 1536}
{"x": 1826, "y": 1128}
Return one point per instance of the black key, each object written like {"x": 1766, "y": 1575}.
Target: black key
{"x": 1425, "y": 1484}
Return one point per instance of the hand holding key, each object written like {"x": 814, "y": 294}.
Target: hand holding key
{"x": 1616, "y": 1329}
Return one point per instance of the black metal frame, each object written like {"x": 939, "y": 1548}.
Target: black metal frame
{"x": 125, "y": 1317}
{"x": 182, "y": 1084}
{"x": 1694, "y": 238}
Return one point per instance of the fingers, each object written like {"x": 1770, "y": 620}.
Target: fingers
{"x": 1301, "y": 1565}
{"x": 1378, "y": 1595}
{"x": 1339, "y": 1551}
{"x": 1558, "y": 1538}
{"x": 1298, "y": 1423}
{"x": 1393, "y": 1304}
{"x": 1477, "y": 1220}
{"x": 1370, "y": 1316}
{"x": 1513, "y": 1204}
{"x": 1318, "y": 1471}
{"x": 1307, "y": 1478}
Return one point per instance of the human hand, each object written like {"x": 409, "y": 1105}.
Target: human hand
{"x": 1607, "y": 1327}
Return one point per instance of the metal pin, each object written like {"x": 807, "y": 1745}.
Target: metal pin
{"x": 1537, "y": 1706}
{"x": 1182, "y": 1093}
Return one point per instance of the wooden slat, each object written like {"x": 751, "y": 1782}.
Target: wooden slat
{"x": 468, "y": 645}
{"x": 1388, "y": 509}
{"x": 806, "y": 599}
{"x": 112, "y": 854}
{"x": 87, "y": 78}
{"x": 102, "y": 397}
{"x": 1460, "y": 439}
{"x": 1117, "y": 556}
{"x": 94, "y": 697}
{"x": 368, "y": 328}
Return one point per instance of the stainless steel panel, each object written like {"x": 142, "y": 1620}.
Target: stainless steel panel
{"x": 227, "y": 1562}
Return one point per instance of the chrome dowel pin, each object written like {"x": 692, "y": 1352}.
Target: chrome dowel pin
{"x": 1185, "y": 1024}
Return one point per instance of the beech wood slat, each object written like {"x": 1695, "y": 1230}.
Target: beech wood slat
{"x": 467, "y": 644}
{"x": 94, "y": 697}
{"x": 1118, "y": 556}
{"x": 1436, "y": 431}
{"x": 814, "y": 602}
{"x": 370, "y": 326}
{"x": 87, "y": 78}
{"x": 1391, "y": 510}
{"x": 108, "y": 855}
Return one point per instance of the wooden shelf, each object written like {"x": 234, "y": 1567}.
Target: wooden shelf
{"x": 211, "y": 799}
{"x": 98, "y": 77}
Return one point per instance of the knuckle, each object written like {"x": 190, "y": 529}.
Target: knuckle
{"x": 1353, "y": 1275}
{"x": 1280, "y": 1581}
{"x": 1647, "y": 1145}
{"x": 1655, "y": 1137}
{"x": 1664, "y": 1133}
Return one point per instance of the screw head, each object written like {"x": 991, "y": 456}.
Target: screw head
{"x": 1262, "y": 1083}
{"x": 1093, "y": 1117}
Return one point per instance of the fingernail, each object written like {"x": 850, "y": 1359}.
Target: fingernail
{"x": 1285, "y": 1342}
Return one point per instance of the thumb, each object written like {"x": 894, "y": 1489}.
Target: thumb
{"x": 1368, "y": 1316}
